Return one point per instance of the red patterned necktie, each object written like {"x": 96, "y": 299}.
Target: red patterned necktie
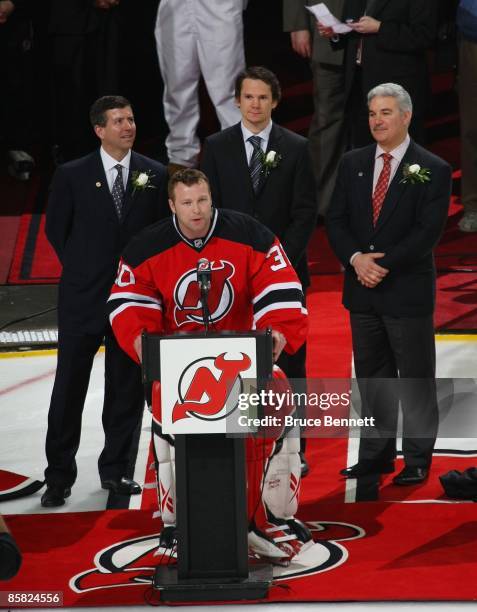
{"x": 381, "y": 186}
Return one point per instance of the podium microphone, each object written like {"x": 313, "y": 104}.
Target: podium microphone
{"x": 204, "y": 274}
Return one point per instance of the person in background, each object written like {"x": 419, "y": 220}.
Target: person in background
{"x": 84, "y": 38}
{"x": 388, "y": 43}
{"x": 280, "y": 192}
{"x": 16, "y": 75}
{"x": 97, "y": 204}
{"x": 199, "y": 38}
{"x": 388, "y": 211}
{"x": 326, "y": 133}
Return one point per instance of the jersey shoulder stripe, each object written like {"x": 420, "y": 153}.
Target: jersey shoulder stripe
{"x": 240, "y": 227}
{"x": 151, "y": 241}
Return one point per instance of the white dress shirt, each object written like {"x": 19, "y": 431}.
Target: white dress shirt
{"x": 264, "y": 135}
{"x": 109, "y": 169}
{"x": 396, "y": 158}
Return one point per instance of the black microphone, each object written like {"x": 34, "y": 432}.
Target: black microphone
{"x": 204, "y": 273}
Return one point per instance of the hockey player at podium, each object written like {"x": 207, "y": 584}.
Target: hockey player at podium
{"x": 253, "y": 286}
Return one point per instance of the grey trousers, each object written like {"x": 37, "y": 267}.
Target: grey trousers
{"x": 326, "y": 135}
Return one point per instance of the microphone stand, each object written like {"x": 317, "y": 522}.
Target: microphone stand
{"x": 204, "y": 300}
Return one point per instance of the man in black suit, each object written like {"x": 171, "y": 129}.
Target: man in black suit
{"x": 387, "y": 214}
{"x": 97, "y": 203}
{"x": 389, "y": 43}
{"x": 264, "y": 170}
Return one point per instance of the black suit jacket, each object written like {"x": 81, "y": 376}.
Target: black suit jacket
{"x": 397, "y": 52}
{"x": 286, "y": 201}
{"x": 409, "y": 226}
{"x": 75, "y": 17}
{"x": 85, "y": 231}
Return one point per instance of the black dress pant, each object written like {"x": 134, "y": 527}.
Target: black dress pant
{"x": 122, "y": 408}
{"x": 394, "y": 360}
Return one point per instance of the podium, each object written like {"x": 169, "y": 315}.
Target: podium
{"x": 201, "y": 376}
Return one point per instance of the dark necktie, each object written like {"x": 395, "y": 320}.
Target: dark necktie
{"x": 381, "y": 186}
{"x": 118, "y": 190}
{"x": 256, "y": 161}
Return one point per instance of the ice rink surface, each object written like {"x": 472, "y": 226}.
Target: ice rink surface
{"x": 26, "y": 381}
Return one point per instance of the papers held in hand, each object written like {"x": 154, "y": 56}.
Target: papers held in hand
{"x": 323, "y": 15}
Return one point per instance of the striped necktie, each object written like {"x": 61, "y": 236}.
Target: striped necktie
{"x": 255, "y": 166}
{"x": 381, "y": 186}
{"x": 118, "y": 191}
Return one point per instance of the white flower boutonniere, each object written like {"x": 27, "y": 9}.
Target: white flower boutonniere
{"x": 142, "y": 180}
{"x": 413, "y": 173}
{"x": 270, "y": 161}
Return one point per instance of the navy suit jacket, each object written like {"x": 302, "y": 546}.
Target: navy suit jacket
{"x": 409, "y": 227}
{"x": 286, "y": 199}
{"x": 88, "y": 237}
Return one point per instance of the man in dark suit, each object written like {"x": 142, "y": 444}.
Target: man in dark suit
{"x": 387, "y": 214}
{"x": 97, "y": 203}
{"x": 280, "y": 192}
{"x": 389, "y": 43}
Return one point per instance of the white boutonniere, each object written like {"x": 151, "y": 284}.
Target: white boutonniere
{"x": 270, "y": 160}
{"x": 413, "y": 173}
{"x": 142, "y": 180}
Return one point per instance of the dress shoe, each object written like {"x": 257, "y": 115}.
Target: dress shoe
{"x": 304, "y": 467}
{"x": 54, "y": 496}
{"x": 364, "y": 468}
{"x": 122, "y": 486}
{"x": 411, "y": 475}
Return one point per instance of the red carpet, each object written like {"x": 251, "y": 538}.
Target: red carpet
{"x": 107, "y": 558}
{"x": 34, "y": 260}
{"x": 456, "y": 250}
{"x": 457, "y": 302}
{"x": 14, "y": 197}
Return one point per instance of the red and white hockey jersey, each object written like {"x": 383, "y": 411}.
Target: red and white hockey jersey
{"x": 253, "y": 285}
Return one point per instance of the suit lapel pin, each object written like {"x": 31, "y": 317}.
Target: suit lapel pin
{"x": 360, "y": 173}
{"x": 98, "y": 183}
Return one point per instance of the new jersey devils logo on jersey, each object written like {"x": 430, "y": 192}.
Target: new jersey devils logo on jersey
{"x": 206, "y": 394}
{"x": 187, "y": 294}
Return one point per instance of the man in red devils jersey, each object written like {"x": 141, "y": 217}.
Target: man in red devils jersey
{"x": 253, "y": 287}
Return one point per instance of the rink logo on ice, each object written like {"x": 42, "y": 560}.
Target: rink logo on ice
{"x": 211, "y": 384}
{"x": 14, "y": 485}
{"x": 132, "y": 562}
{"x": 187, "y": 294}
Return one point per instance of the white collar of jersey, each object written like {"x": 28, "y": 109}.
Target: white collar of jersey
{"x": 197, "y": 243}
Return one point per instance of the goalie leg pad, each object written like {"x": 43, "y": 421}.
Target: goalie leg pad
{"x": 282, "y": 481}
{"x": 165, "y": 476}
{"x": 258, "y": 450}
